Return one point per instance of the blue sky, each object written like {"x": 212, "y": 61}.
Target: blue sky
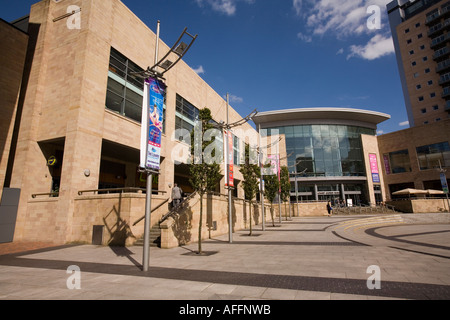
{"x": 283, "y": 54}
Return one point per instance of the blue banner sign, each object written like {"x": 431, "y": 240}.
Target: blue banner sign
{"x": 156, "y": 92}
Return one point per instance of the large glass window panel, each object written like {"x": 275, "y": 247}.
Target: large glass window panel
{"x": 124, "y": 91}
{"x": 324, "y": 130}
{"x": 434, "y": 155}
{"x": 355, "y": 143}
{"x": 342, "y": 131}
{"x": 186, "y": 109}
{"x": 400, "y": 161}
{"x": 115, "y": 87}
{"x": 133, "y": 111}
{"x": 315, "y": 130}
{"x": 298, "y": 131}
{"x": 114, "y": 101}
{"x": 318, "y": 154}
{"x": 134, "y": 97}
{"x": 320, "y": 168}
{"x": 289, "y": 132}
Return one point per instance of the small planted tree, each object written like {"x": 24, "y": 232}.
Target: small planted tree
{"x": 271, "y": 187}
{"x": 251, "y": 174}
{"x": 205, "y": 173}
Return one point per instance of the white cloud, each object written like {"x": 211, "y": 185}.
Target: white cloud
{"x": 304, "y": 37}
{"x": 298, "y": 6}
{"x": 340, "y": 51}
{"x": 234, "y": 99}
{"x": 377, "y": 47}
{"x": 346, "y": 19}
{"x": 199, "y": 70}
{"x": 227, "y": 7}
{"x": 404, "y": 124}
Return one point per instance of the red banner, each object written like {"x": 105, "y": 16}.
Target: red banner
{"x": 230, "y": 163}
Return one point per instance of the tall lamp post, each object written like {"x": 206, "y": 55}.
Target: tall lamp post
{"x": 228, "y": 139}
{"x": 150, "y": 158}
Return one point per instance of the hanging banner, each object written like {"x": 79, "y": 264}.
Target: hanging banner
{"x": 152, "y": 122}
{"x": 444, "y": 183}
{"x": 230, "y": 159}
{"x": 275, "y": 166}
{"x": 374, "y": 168}
{"x": 387, "y": 165}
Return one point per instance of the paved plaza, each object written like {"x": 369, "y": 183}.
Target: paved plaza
{"x": 320, "y": 258}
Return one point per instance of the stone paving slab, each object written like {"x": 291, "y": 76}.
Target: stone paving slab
{"x": 303, "y": 259}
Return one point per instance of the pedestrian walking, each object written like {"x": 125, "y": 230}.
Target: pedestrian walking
{"x": 177, "y": 195}
{"x": 329, "y": 209}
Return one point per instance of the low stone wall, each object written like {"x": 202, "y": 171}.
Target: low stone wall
{"x": 184, "y": 227}
{"x": 116, "y": 213}
{"x": 420, "y": 205}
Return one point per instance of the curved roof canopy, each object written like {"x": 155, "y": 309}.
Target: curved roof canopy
{"x": 320, "y": 116}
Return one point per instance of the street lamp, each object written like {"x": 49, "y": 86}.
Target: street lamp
{"x": 179, "y": 49}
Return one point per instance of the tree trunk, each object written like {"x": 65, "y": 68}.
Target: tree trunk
{"x": 272, "y": 214}
{"x": 251, "y": 218}
{"x": 200, "y": 225}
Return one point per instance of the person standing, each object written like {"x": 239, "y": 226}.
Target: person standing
{"x": 177, "y": 195}
{"x": 329, "y": 209}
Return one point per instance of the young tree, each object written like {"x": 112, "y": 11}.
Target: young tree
{"x": 271, "y": 187}
{"x": 205, "y": 175}
{"x": 251, "y": 174}
{"x": 285, "y": 184}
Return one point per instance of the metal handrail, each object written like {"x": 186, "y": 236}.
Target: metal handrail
{"x": 50, "y": 194}
{"x": 175, "y": 209}
{"x": 120, "y": 190}
{"x": 154, "y": 209}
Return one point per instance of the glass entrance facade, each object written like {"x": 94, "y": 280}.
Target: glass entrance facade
{"x": 324, "y": 150}
{"x": 326, "y": 162}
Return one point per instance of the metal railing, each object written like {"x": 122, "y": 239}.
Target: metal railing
{"x": 54, "y": 194}
{"x": 175, "y": 210}
{"x": 154, "y": 209}
{"x": 360, "y": 209}
{"x": 119, "y": 190}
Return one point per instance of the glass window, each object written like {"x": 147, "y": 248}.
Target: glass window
{"x": 326, "y": 150}
{"x": 289, "y": 132}
{"x": 298, "y": 131}
{"x": 400, "y": 161}
{"x": 236, "y": 151}
{"x": 187, "y": 110}
{"x": 434, "y": 155}
{"x": 125, "y": 91}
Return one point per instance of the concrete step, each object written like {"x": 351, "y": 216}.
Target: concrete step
{"x": 154, "y": 236}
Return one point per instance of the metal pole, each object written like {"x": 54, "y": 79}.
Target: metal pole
{"x": 230, "y": 211}
{"x": 279, "y": 180}
{"x": 261, "y": 180}
{"x": 289, "y": 202}
{"x": 157, "y": 42}
{"x": 148, "y": 206}
{"x": 148, "y": 197}
{"x": 296, "y": 190}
